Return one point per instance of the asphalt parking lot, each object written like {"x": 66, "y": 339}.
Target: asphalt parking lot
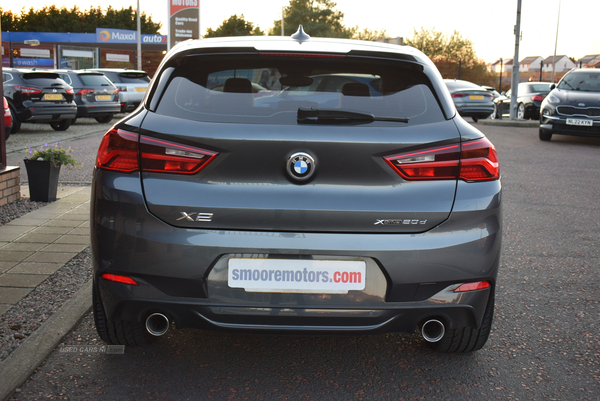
{"x": 544, "y": 342}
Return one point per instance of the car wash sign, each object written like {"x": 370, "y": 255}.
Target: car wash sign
{"x": 184, "y": 21}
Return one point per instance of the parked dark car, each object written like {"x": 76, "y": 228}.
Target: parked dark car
{"x": 529, "y": 99}
{"x": 38, "y": 97}
{"x": 132, "y": 85}
{"x": 471, "y": 100}
{"x": 7, "y": 119}
{"x": 492, "y": 90}
{"x": 573, "y": 107}
{"x": 96, "y": 96}
{"x": 378, "y": 214}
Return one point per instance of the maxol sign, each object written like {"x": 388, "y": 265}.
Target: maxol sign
{"x": 109, "y": 35}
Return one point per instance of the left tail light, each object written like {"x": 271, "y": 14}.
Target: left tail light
{"x": 118, "y": 151}
{"x": 27, "y": 90}
{"x": 471, "y": 161}
{"x": 128, "y": 152}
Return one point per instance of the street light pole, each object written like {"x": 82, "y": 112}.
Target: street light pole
{"x": 139, "y": 38}
{"x": 555, "y": 43}
{"x": 515, "y": 71}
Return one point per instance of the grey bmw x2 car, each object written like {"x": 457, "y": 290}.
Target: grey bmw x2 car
{"x": 346, "y": 197}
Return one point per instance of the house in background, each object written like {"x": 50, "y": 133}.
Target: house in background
{"x": 531, "y": 64}
{"x": 562, "y": 64}
{"x": 501, "y": 64}
{"x": 589, "y": 61}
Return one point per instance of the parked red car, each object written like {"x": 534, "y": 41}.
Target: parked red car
{"x": 7, "y": 119}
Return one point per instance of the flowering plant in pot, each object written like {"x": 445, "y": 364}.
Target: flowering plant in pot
{"x": 43, "y": 168}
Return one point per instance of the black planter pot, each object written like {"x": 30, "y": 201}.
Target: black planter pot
{"x": 43, "y": 180}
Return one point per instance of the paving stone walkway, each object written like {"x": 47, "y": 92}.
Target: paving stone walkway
{"x": 36, "y": 245}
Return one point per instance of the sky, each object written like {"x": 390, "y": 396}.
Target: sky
{"x": 489, "y": 24}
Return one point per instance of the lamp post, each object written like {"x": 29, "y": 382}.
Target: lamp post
{"x": 515, "y": 72}
{"x": 139, "y": 38}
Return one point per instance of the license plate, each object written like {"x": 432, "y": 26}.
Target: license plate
{"x": 577, "y": 121}
{"x": 104, "y": 97}
{"x": 476, "y": 97}
{"x": 51, "y": 96}
{"x": 297, "y": 276}
{"x": 140, "y": 89}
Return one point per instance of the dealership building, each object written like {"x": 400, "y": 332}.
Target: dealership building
{"x": 107, "y": 48}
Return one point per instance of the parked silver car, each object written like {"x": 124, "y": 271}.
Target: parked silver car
{"x": 471, "y": 100}
{"x": 377, "y": 212}
{"x": 132, "y": 85}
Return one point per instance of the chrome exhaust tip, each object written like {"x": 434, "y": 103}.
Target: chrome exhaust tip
{"x": 433, "y": 330}
{"x": 157, "y": 324}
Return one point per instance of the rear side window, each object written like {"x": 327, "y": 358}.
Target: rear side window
{"x": 66, "y": 78}
{"x": 271, "y": 89}
{"x": 94, "y": 80}
{"x": 133, "y": 78}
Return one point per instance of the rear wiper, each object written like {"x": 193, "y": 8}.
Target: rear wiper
{"x": 324, "y": 116}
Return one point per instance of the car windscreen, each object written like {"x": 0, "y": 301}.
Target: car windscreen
{"x": 94, "y": 80}
{"x": 581, "y": 80}
{"x": 134, "y": 78}
{"x": 278, "y": 89}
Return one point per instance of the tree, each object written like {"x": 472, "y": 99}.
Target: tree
{"x": 53, "y": 19}
{"x": 451, "y": 54}
{"x": 318, "y": 18}
{"x": 437, "y": 45}
{"x": 234, "y": 26}
{"x": 367, "y": 34}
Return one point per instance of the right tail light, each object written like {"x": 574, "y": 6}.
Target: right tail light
{"x": 472, "y": 161}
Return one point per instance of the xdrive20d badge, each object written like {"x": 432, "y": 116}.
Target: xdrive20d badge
{"x": 296, "y": 185}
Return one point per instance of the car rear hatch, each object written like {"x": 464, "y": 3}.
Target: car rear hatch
{"x": 96, "y": 88}
{"x": 46, "y": 87}
{"x": 349, "y": 159}
{"x": 134, "y": 81}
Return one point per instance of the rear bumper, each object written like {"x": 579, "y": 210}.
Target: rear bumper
{"x": 479, "y": 112}
{"x": 98, "y": 110}
{"x": 48, "y": 113}
{"x": 136, "y": 303}
{"x": 130, "y": 100}
{"x": 175, "y": 268}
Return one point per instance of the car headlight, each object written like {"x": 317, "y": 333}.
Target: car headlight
{"x": 553, "y": 99}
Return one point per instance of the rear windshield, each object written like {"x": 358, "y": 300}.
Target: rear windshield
{"x": 94, "y": 80}
{"x": 134, "y": 78}
{"x": 271, "y": 89}
{"x": 462, "y": 85}
{"x": 42, "y": 78}
{"x": 581, "y": 80}
{"x": 539, "y": 87}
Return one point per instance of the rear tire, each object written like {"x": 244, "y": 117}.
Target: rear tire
{"x": 545, "y": 136}
{"x": 475, "y": 119}
{"x": 16, "y": 123}
{"x": 467, "y": 339}
{"x": 118, "y": 332}
{"x": 62, "y": 125}
{"x": 104, "y": 119}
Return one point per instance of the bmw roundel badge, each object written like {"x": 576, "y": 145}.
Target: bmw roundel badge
{"x": 301, "y": 166}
